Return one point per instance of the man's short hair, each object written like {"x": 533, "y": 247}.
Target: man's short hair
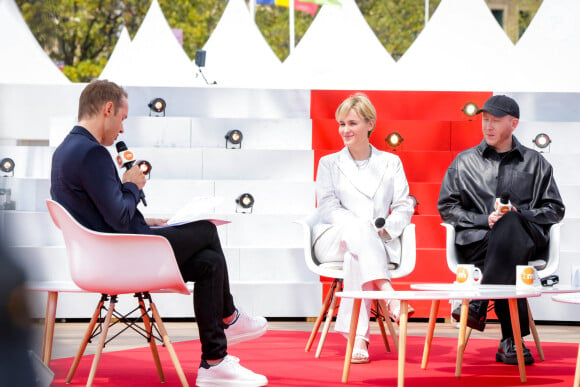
{"x": 96, "y": 94}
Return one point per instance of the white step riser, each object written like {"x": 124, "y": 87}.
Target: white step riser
{"x": 266, "y": 299}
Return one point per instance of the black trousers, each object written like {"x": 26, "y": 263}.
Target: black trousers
{"x": 512, "y": 241}
{"x": 201, "y": 259}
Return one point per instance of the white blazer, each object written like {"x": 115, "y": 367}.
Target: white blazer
{"x": 380, "y": 189}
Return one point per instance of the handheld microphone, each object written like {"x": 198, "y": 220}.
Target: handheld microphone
{"x": 503, "y": 204}
{"x": 126, "y": 158}
{"x": 379, "y": 223}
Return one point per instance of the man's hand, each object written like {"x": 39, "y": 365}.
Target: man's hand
{"x": 156, "y": 222}
{"x": 495, "y": 216}
{"x": 136, "y": 176}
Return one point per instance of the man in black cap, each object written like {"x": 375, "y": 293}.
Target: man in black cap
{"x": 494, "y": 241}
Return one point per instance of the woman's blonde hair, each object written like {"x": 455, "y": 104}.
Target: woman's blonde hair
{"x": 362, "y": 105}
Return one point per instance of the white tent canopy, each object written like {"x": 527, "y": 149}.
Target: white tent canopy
{"x": 237, "y": 53}
{"x": 23, "y": 60}
{"x": 154, "y": 57}
{"x": 461, "y": 48}
{"x": 119, "y": 55}
{"x": 547, "y": 56}
{"x": 339, "y": 50}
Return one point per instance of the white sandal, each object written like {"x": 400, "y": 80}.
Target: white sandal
{"x": 360, "y": 355}
{"x": 394, "y": 310}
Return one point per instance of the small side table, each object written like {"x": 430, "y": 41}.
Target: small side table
{"x": 571, "y": 298}
{"x": 435, "y": 296}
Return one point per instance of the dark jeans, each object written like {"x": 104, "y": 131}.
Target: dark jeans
{"x": 201, "y": 259}
{"x": 512, "y": 241}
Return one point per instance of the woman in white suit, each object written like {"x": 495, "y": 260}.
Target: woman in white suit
{"x": 353, "y": 188}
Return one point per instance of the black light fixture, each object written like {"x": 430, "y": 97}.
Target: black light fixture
{"x": 200, "y": 62}
{"x": 470, "y": 109}
{"x": 157, "y": 106}
{"x": 415, "y": 204}
{"x": 542, "y": 141}
{"x": 245, "y": 203}
{"x": 7, "y": 166}
{"x": 393, "y": 140}
{"x": 234, "y": 139}
{"x": 145, "y": 167}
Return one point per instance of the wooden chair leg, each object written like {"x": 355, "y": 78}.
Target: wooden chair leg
{"x": 50, "y": 316}
{"x": 329, "y": 316}
{"x": 168, "y": 344}
{"x": 535, "y": 332}
{"x": 85, "y": 340}
{"x": 390, "y": 326}
{"x": 151, "y": 339}
{"x": 380, "y": 315}
{"x": 430, "y": 330}
{"x": 323, "y": 310}
{"x": 102, "y": 339}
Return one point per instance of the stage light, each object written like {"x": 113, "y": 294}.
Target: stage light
{"x": 542, "y": 141}
{"x": 234, "y": 139}
{"x": 394, "y": 139}
{"x": 245, "y": 203}
{"x": 200, "y": 62}
{"x": 470, "y": 109}
{"x": 145, "y": 167}
{"x": 7, "y": 166}
{"x": 415, "y": 204}
{"x": 157, "y": 106}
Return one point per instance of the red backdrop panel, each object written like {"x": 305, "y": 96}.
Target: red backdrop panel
{"x": 402, "y": 105}
{"x": 426, "y": 195}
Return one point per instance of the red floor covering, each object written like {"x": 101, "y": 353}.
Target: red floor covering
{"x": 280, "y": 356}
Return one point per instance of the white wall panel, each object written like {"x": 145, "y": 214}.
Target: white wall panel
{"x": 253, "y": 164}
{"x": 565, "y": 136}
{"x": 167, "y": 132}
{"x": 29, "y": 229}
{"x": 270, "y": 197}
{"x": 258, "y": 133}
{"x": 29, "y": 161}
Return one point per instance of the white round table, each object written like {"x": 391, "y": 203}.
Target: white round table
{"x": 464, "y": 294}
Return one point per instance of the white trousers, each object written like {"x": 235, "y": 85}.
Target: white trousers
{"x": 359, "y": 247}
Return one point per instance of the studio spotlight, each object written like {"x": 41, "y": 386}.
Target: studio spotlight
{"x": 157, "y": 106}
{"x": 245, "y": 203}
{"x": 200, "y": 62}
{"x": 145, "y": 167}
{"x": 393, "y": 140}
{"x": 542, "y": 141}
{"x": 7, "y": 166}
{"x": 470, "y": 109}
{"x": 234, "y": 139}
{"x": 415, "y": 204}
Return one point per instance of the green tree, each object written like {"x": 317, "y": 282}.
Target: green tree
{"x": 81, "y": 34}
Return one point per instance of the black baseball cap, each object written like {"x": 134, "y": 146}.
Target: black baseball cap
{"x": 500, "y": 106}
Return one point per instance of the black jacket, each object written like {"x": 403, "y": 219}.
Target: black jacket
{"x": 479, "y": 175}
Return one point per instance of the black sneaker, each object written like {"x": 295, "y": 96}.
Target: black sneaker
{"x": 506, "y": 353}
{"x": 477, "y": 315}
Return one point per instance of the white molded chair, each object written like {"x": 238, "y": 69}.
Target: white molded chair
{"x": 334, "y": 270}
{"x": 113, "y": 264}
{"x": 544, "y": 268}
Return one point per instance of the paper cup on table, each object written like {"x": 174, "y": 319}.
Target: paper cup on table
{"x": 526, "y": 277}
{"x": 468, "y": 275}
{"x": 575, "y": 276}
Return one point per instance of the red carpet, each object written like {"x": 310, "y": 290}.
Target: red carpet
{"x": 280, "y": 356}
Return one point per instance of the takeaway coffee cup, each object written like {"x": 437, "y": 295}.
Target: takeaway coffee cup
{"x": 575, "y": 276}
{"x": 468, "y": 275}
{"x": 526, "y": 277}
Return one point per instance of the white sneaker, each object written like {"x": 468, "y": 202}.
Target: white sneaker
{"x": 245, "y": 328}
{"x": 229, "y": 372}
